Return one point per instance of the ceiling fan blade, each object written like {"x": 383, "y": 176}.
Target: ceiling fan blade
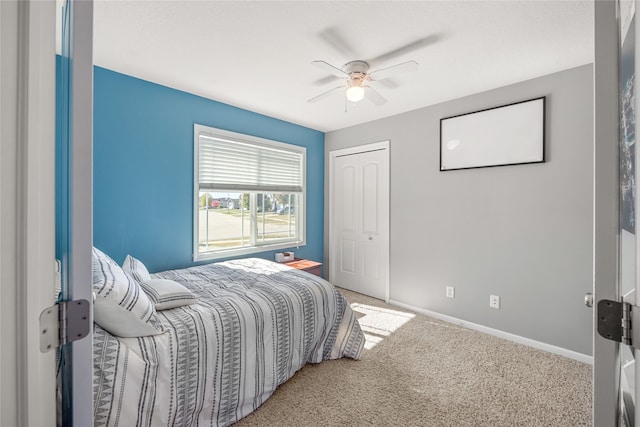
{"x": 372, "y": 95}
{"x": 389, "y": 83}
{"x": 414, "y": 45}
{"x": 329, "y": 68}
{"x": 324, "y": 94}
{"x": 326, "y": 80}
{"x": 336, "y": 40}
{"x": 384, "y": 73}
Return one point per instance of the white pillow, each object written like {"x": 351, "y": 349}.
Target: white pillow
{"x": 136, "y": 268}
{"x": 121, "y": 306}
{"x": 166, "y": 294}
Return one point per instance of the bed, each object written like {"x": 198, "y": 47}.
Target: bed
{"x": 215, "y": 341}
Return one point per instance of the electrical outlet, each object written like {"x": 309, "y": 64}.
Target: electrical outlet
{"x": 494, "y": 301}
{"x": 451, "y": 292}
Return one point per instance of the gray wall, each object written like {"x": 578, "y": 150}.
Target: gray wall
{"x": 523, "y": 232}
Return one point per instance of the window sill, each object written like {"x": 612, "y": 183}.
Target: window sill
{"x": 208, "y": 256}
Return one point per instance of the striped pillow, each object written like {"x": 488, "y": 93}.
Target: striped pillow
{"x": 166, "y": 294}
{"x": 121, "y": 307}
{"x": 136, "y": 268}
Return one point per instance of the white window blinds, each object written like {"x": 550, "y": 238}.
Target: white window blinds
{"x": 230, "y": 162}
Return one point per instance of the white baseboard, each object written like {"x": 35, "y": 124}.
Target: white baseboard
{"x": 501, "y": 334}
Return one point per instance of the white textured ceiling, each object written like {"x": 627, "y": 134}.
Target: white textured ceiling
{"x": 256, "y": 54}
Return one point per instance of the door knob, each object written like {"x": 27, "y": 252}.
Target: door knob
{"x": 370, "y": 238}
{"x": 588, "y": 299}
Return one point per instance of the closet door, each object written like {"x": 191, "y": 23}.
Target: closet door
{"x": 344, "y": 241}
{"x": 359, "y": 241}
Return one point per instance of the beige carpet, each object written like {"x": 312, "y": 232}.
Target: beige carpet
{"x": 417, "y": 371}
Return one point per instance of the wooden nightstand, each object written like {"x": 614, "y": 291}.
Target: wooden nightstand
{"x": 306, "y": 265}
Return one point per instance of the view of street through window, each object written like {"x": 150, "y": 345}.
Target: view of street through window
{"x": 225, "y": 220}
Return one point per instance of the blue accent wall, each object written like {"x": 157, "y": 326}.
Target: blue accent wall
{"x": 143, "y": 168}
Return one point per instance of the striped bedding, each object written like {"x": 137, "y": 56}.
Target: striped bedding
{"x": 255, "y": 324}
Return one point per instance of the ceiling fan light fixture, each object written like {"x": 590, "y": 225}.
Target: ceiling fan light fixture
{"x": 355, "y": 93}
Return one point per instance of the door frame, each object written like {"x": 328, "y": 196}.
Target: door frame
{"x": 606, "y": 206}
{"x": 76, "y": 235}
{"x": 376, "y": 146}
{"x": 27, "y": 220}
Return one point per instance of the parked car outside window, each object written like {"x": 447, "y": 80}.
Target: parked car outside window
{"x": 285, "y": 210}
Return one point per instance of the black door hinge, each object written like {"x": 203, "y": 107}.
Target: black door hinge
{"x": 615, "y": 322}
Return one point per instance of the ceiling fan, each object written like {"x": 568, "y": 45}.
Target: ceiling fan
{"x": 356, "y": 75}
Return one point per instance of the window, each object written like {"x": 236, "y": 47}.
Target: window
{"x": 249, "y": 194}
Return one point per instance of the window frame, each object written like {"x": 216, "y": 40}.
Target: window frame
{"x": 256, "y": 247}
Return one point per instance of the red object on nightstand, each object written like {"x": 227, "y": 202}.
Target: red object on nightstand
{"x": 306, "y": 265}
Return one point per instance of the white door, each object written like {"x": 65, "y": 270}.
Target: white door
{"x": 616, "y": 273}
{"x": 628, "y": 279}
{"x": 74, "y": 201}
{"x": 359, "y": 243}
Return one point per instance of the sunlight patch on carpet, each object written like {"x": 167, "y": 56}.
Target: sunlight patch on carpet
{"x": 377, "y": 323}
